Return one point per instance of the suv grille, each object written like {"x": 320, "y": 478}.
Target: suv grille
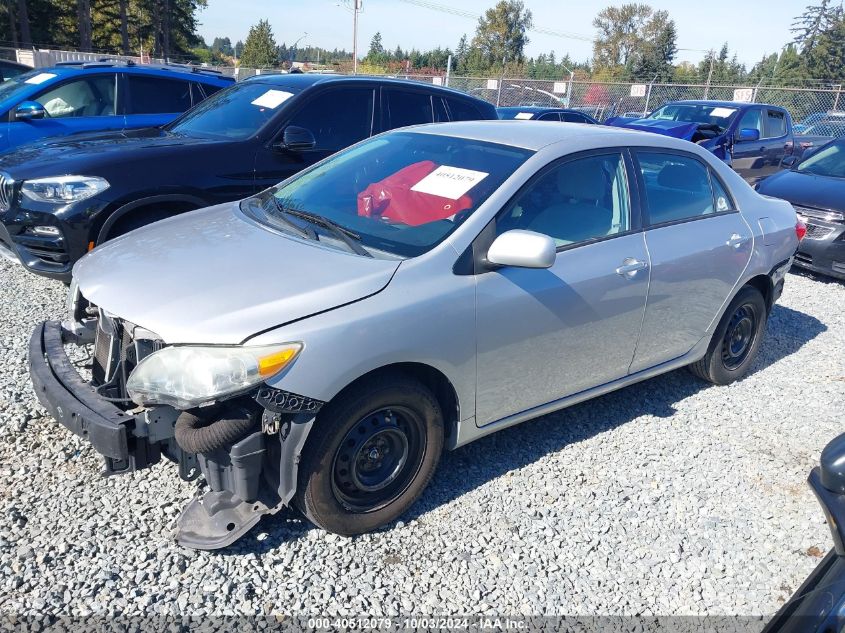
{"x": 7, "y": 191}
{"x": 816, "y": 232}
{"x": 116, "y": 353}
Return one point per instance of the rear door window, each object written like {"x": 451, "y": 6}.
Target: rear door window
{"x": 775, "y": 124}
{"x": 550, "y": 116}
{"x": 572, "y": 117}
{"x": 152, "y": 95}
{"x": 403, "y": 108}
{"x": 677, "y": 187}
{"x": 337, "y": 118}
{"x": 87, "y": 97}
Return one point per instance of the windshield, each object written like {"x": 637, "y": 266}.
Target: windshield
{"x": 695, "y": 113}
{"x": 828, "y": 161}
{"x": 400, "y": 194}
{"x": 234, "y": 113}
{"x": 23, "y": 83}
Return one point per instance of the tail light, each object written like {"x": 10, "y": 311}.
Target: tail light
{"x": 800, "y": 230}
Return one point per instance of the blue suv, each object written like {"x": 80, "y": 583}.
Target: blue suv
{"x": 76, "y": 97}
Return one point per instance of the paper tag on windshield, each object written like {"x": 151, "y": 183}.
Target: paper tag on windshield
{"x": 722, "y": 112}
{"x": 449, "y": 182}
{"x": 272, "y": 99}
{"x": 40, "y": 78}
{"x": 524, "y": 115}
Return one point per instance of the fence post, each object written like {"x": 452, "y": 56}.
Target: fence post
{"x": 448, "y": 69}
{"x": 648, "y": 96}
{"x": 836, "y": 101}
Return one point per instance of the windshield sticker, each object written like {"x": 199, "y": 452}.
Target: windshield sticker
{"x": 449, "y": 182}
{"x": 272, "y": 99}
{"x": 40, "y": 78}
{"x": 524, "y": 115}
{"x": 722, "y": 112}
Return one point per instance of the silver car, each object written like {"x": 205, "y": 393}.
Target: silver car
{"x": 322, "y": 342}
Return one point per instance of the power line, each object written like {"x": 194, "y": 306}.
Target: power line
{"x": 442, "y": 8}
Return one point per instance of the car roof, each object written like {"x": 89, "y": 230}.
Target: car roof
{"x": 534, "y": 135}
{"x": 197, "y": 73}
{"x": 723, "y": 104}
{"x": 304, "y": 80}
{"x": 537, "y": 109}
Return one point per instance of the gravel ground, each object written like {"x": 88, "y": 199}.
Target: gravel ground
{"x": 668, "y": 497}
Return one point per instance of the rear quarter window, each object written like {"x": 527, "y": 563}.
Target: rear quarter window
{"x": 460, "y": 110}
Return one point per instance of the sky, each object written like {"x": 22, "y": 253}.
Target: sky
{"x": 751, "y": 27}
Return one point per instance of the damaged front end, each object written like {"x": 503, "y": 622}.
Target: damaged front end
{"x": 246, "y": 445}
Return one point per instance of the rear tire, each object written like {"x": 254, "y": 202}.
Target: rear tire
{"x": 370, "y": 455}
{"x": 736, "y": 341}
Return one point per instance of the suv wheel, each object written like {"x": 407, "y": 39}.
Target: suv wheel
{"x": 736, "y": 341}
{"x": 371, "y": 453}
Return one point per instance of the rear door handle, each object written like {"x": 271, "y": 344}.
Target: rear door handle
{"x": 630, "y": 267}
{"x": 736, "y": 240}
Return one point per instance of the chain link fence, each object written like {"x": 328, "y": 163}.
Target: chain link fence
{"x": 599, "y": 99}
{"x": 606, "y": 99}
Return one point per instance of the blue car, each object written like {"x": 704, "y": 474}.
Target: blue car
{"x": 77, "y": 97}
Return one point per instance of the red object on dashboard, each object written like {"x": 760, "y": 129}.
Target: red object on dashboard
{"x": 393, "y": 199}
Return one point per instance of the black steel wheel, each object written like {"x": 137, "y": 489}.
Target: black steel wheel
{"x": 371, "y": 453}
{"x": 736, "y": 341}
{"x": 378, "y": 458}
{"x": 739, "y": 336}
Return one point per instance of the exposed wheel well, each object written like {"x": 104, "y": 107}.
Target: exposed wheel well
{"x": 432, "y": 378}
{"x": 145, "y": 214}
{"x": 763, "y": 283}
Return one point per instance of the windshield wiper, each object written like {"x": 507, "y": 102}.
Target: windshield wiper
{"x": 350, "y": 238}
{"x": 295, "y": 228}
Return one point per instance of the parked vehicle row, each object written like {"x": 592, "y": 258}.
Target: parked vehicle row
{"x": 753, "y": 138}
{"x": 61, "y": 198}
{"x": 535, "y": 113}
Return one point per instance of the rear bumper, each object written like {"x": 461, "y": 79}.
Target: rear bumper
{"x": 825, "y": 255}
{"x": 76, "y": 406}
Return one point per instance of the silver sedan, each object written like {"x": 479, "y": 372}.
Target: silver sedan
{"x": 322, "y": 342}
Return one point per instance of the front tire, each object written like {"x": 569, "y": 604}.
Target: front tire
{"x": 736, "y": 341}
{"x": 370, "y": 455}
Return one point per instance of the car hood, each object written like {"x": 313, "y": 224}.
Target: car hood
{"x": 807, "y": 190}
{"x": 674, "y": 129}
{"x": 40, "y": 158}
{"x": 215, "y": 276}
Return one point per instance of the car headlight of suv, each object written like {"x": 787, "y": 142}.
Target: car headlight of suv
{"x": 187, "y": 376}
{"x": 63, "y": 189}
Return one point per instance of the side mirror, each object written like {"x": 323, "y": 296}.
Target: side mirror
{"x": 30, "y": 110}
{"x": 297, "y": 139}
{"x": 789, "y": 162}
{"x": 748, "y": 135}
{"x": 522, "y": 249}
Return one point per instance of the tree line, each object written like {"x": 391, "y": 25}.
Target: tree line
{"x": 633, "y": 41}
{"x": 163, "y": 28}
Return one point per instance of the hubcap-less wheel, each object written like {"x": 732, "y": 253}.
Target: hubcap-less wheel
{"x": 739, "y": 336}
{"x": 377, "y": 459}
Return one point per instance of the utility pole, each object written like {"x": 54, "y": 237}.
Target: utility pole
{"x": 356, "y": 7}
{"x": 710, "y": 74}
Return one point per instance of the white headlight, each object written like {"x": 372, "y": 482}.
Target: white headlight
{"x": 62, "y": 189}
{"x": 185, "y": 377}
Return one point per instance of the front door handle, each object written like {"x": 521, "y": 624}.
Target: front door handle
{"x": 630, "y": 267}
{"x": 736, "y": 240}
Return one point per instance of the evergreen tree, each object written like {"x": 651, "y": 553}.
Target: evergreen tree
{"x": 260, "y": 50}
